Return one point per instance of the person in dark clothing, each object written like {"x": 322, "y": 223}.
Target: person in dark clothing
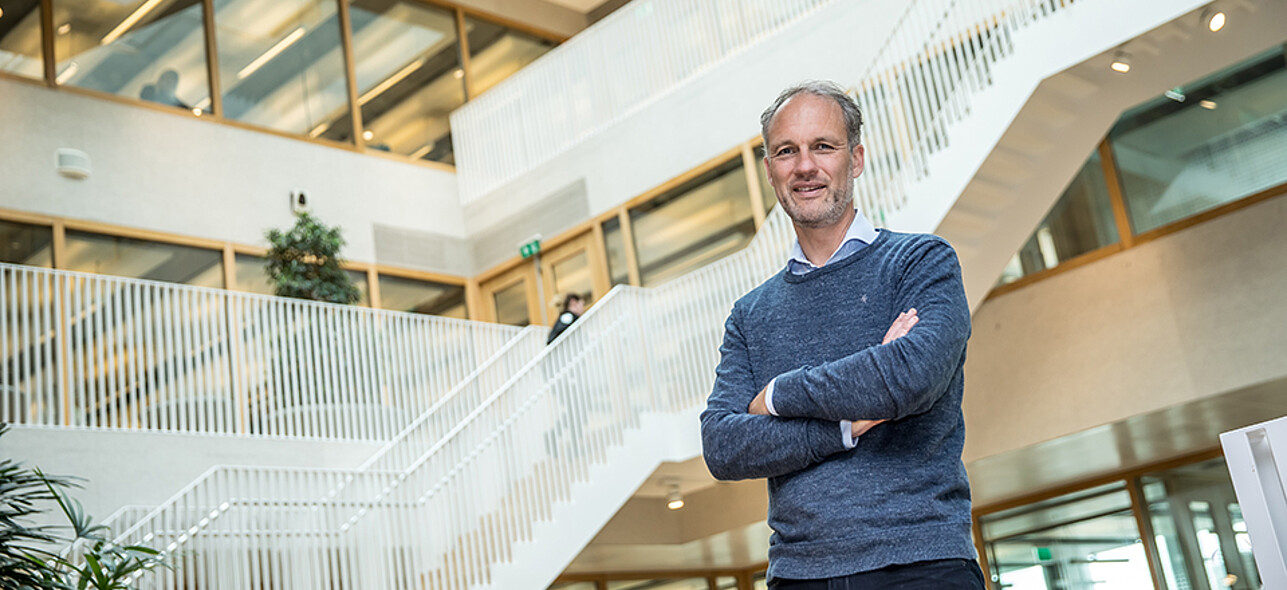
{"x": 570, "y": 308}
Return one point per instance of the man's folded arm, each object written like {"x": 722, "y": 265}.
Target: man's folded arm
{"x": 738, "y": 445}
{"x": 899, "y": 379}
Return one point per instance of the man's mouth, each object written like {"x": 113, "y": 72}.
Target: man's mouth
{"x": 809, "y": 190}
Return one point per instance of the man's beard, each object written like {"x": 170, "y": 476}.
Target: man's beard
{"x": 837, "y": 206}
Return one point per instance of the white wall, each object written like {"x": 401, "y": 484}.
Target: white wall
{"x": 700, "y": 120}
{"x": 174, "y": 173}
{"x": 1189, "y": 316}
{"x": 143, "y": 468}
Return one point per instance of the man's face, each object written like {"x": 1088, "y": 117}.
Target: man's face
{"x": 810, "y": 162}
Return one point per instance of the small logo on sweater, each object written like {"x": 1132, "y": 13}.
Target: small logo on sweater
{"x": 864, "y": 298}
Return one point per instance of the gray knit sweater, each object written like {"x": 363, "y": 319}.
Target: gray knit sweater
{"x": 901, "y": 494}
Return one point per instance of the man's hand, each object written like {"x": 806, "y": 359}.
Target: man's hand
{"x": 757, "y": 405}
{"x": 901, "y": 326}
{"x": 860, "y": 427}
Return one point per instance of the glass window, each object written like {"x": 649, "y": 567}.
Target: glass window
{"x": 1198, "y": 528}
{"x": 407, "y": 59}
{"x": 496, "y": 52}
{"x": 280, "y": 64}
{"x": 364, "y": 289}
{"x": 1086, "y": 540}
{"x": 726, "y": 583}
{"x": 615, "y": 245}
{"x": 143, "y": 259}
{"x": 146, "y": 49}
{"x": 1080, "y": 221}
{"x": 573, "y": 586}
{"x": 20, "y": 43}
{"x": 252, "y": 274}
{"x": 401, "y": 294}
{"x": 1225, "y": 141}
{"x": 511, "y": 305}
{"x": 572, "y": 274}
{"x": 766, "y": 190}
{"x": 24, "y": 243}
{"x": 700, "y": 222}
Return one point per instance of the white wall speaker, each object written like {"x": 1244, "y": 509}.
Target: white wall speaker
{"x": 299, "y": 201}
{"x": 72, "y": 163}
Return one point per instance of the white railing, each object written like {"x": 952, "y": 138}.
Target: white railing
{"x": 92, "y": 351}
{"x": 623, "y": 63}
{"x": 438, "y": 512}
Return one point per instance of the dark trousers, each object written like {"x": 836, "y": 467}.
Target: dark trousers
{"x": 942, "y": 574}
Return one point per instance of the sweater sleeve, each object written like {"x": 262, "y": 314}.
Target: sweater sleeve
{"x": 906, "y": 376}
{"x": 739, "y": 445}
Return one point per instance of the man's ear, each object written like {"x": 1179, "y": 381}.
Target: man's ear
{"x": 859, "y": 155}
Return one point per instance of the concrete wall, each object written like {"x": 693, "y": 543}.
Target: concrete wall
{"x": 174, "y": 173}
{"x": 1189, "y": 316}
{"x": 141, "y": 468}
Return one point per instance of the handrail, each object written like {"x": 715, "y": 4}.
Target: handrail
{"x": 93, "y": 351}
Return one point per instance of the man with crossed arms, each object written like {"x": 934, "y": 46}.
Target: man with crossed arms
{"x": 855, "y": 421}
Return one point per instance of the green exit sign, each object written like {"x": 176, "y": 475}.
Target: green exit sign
{"x": 530, "y": 249}
{"x": 1043, "y": 553}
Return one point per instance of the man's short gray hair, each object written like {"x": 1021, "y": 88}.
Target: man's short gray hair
{"x": 825, "y": 89}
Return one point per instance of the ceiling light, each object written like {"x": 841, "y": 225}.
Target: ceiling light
{"x": 1121, "y": 62}
{"x": 368, "y": 135}
{"x": 196, "y": 111}
{"x": 459, "y": 73}
{"x": 1, "y": 12}
{"x": 272, "y": 52}
{"x": 674, "y": 500}
{"x": 129, "y": 21}
{"x": 1175, "y": 94}
{"x": 64, "y": 28}
{"x": 1209, "y": 105}
{"x": 1214, "y": 19}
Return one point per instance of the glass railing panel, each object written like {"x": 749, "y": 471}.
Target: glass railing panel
{"x": 407, "y": 60}
{"x": 143, "y": 49}
{"x": 1225, "y": 140}
{"x": 1081, "y": 221}
{"x": 20, "y": 42}
{"x": 496, "y": 52}
{"x": 281, "y": 65}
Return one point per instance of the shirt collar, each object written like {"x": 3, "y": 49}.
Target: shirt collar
{"x": 860, "y": 230}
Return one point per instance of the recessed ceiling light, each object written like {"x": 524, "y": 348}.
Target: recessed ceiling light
{"x": 64, "y": 28}
{"x": 459, "y": 73}
{"x": 368, "y": 135}
{"x": 1175, "y": 94}
{"x": 1121, "y": 62}
{"x": 1214, "y": 19}
{"x": 1208, "y": 104}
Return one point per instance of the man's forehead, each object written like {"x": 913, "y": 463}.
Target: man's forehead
{"x": 808, "y": 117}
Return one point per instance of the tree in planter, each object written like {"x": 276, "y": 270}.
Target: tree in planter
{"x": 304, "y": 262}
{"x": 26, "y": 561}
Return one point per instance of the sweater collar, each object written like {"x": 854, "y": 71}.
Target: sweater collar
{"x": 860, "y": 233}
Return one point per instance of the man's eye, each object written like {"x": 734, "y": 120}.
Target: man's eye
{"x": 824, "y": 147}
{"x": 784, "y": 152}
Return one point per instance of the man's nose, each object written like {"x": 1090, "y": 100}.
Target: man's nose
{"x": 805, "y": 164}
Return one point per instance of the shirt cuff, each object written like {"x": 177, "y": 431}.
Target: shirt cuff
{"x": 847, "y": 434}
{"x": 768, "y": 397}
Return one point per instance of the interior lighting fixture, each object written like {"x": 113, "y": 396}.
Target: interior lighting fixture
{"x": 64, "y": 28}
{"x": 130, "y": 21}
{"x": 391, "y": 81}
{"x": 1175, "y": 94}
{"x": 459, "y": 73}
{"x": 368, "y": 135}
{"x": 1209, "y": 105}
{"x": 423, "y": 151}
{"x": 272, "y": 52}
{"x": 197, "y": 111}
{"x": 1, "y": 12}
{"x": 674, "y": 500}
{"x": 1121, "y": 62}
{"x": 67, "y": 73}
{"x": 1214, "y": 19}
